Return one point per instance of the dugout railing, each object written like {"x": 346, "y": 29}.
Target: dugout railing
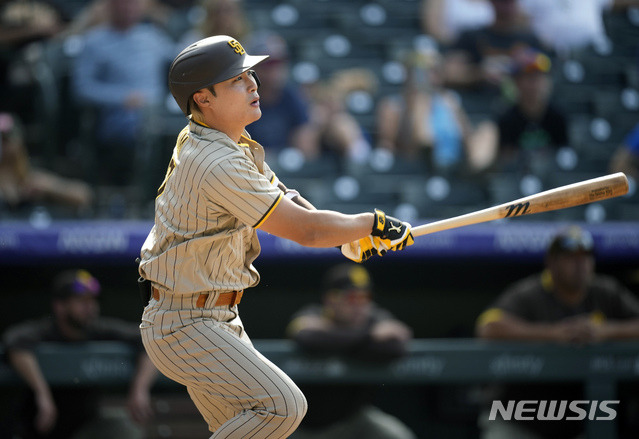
{"x": 601, "y": 367}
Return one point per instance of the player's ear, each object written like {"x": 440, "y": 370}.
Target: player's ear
{"x": 201, "y": 98}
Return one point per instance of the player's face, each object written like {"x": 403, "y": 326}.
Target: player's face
{"x": 572, "y": 271}
{"x": 534, "y": 85}
{"x": 80, "y": 311}
{"x": 126, "y": 13}
{"x": 506, "y": 9}
{"x": 351, "y": 308}
{"x": 236, "y": 103}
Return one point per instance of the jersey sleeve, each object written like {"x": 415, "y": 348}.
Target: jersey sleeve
{"x": 270, "y": 175}
{"x": 24, "y": 336}
{"x": 514, "y": 301}
{"x": 628, "y": 305}
{"x": 109, "y": 328}
{"x": 237, "y": 185}
{"x": 517, "y": 300}
{"x": 620, "y": 303}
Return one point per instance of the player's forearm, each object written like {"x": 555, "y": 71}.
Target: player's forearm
{"x": 619, "y": 330}
{"x": 11, "y": 35}
{"x": 316, "y": 228}
{"x": 511, "y": 329}
{"x": 332, "y": 340}
{"x": 331, "y": 229}
{"x": 26, "y": 365}
{"x": 145, "y": 375}
{"x": 386, "y": 349}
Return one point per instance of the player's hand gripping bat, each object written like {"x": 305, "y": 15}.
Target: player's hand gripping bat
{"x": 583, "y": 192}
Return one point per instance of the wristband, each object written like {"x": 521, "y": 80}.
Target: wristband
{"x": 291, "y": 193}
{"x": 379, "y": 224}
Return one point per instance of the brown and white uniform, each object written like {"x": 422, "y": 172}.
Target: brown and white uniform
{"x": 199, "y": 257}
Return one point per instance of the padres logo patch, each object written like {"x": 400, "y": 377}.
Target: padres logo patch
{"x": 237, "y": 47}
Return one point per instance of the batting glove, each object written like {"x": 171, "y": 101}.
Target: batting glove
{"x": 393, "y": 233}
{"x": 363, "y": 249}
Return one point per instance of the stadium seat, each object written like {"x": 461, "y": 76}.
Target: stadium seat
{"x": 503, "y": 187}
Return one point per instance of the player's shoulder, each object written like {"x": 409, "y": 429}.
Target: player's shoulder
{"x": 208, "y": 138}
{"x": 212, "y": 145}
{"x": 31, "y": 330}
{"x": 607, "y": 285}
{"x": 527, "y": 287}
{"x": 311, "y": 309}
{"x": 31, "y": 325}
{"x": 182, "y": 137}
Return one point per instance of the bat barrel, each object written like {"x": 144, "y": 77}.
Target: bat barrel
{"x": 583, "y": 192}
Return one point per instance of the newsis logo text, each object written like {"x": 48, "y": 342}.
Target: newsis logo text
{"x": 532, "y": 410}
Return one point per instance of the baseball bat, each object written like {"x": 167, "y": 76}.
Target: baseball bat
{"x": 583, "y": 192}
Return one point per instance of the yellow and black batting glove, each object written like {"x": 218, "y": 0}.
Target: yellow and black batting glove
{"x": 364, "y": 248}
{"x": 393, "y": 233}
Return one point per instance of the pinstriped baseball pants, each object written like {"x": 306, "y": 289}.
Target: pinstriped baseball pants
{"x": 239, "y": 392}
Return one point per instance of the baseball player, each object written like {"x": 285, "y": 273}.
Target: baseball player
{"x": 198, "y": 257}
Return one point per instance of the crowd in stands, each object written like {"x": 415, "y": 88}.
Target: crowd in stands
{"x": 442, "y": 95}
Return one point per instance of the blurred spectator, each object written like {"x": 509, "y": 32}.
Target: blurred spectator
{"x": 348, "y": 323}
{"x": 285, "y": 121}
{"x": 176, "y": 17}
{"x": 173, "y": 16}
{"x": 444, "y": 20}
{"x": 220, "y": 17}
{"x": 626, "y": 157}
{"x": 22, "y": 184}
{"x": 532, "y": 128}
{"x": 25, "y": 21}
{"x": 428, "y": 122}
{"x": 22, "y": 22}
{"x": 570, "y": 25}
{"x": 94, "y": 13}
{"x": 74, "y": 412}
{"x": 339, "y": 133}
{"x": 567, "y": 303}
{"x": 121, "y": 72}
{"x": 480, "y": 58}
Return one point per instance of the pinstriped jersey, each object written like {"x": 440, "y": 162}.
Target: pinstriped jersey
{"x": 215, "y": 194}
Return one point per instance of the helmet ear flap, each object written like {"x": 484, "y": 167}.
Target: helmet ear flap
{"x": 257, "y": 80}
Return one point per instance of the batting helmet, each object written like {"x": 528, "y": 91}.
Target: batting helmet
{"x": 207, "y": 62}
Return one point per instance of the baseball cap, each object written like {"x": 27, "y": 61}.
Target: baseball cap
{"x": 571, "y": 240}
{"x": 347, "y": 277}
{"x": 530, "y": 60}
{"x": 75, "y": 283}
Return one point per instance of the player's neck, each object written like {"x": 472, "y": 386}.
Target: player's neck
{"x": 570, "y": 297}
{"x": 234, "y": 132}
{"x": 533, "y": 108}
{"x": 70, "y": 332}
